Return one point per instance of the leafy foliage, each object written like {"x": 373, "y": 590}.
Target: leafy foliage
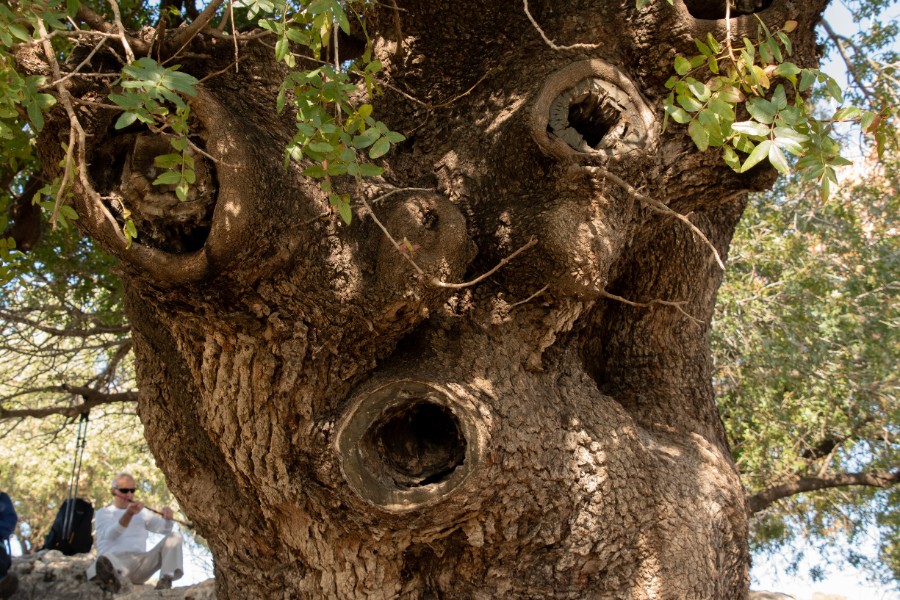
{"x": 331, "y": 129}
{"x": 806, "y": 342}
{"x": 781, "y": 122}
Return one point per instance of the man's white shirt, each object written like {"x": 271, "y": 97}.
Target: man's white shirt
{"x": 112, "y": 538}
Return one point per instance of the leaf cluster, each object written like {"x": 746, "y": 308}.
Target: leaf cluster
{"x": 756, "y": 80}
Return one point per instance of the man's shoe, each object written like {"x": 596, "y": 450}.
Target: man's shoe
{"x": 107, "y": 576}
{"x": 164, "y": 583}
{"x": 8, "y": 586}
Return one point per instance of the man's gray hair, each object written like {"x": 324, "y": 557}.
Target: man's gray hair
{"x": 115, "y": 480}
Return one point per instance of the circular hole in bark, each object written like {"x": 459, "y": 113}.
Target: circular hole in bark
{"x": 419, "y": 443}
{"x": 593, "y": 118}
{"x": 588, "y": 117}
{"x": 715, "y": 9}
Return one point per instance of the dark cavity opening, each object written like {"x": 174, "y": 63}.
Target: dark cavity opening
{"x": 593, "y": 117}
{"x": 419, "y": 443}
{"x": 715, "y": 9}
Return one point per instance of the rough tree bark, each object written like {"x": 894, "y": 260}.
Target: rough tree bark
{"x": 338, "y": 426}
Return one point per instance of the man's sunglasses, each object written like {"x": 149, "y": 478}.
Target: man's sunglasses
{"x": 126, "y": 490}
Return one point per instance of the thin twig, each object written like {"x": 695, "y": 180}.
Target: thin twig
{"x": 67, "y": 172}
{"x": 84, "y": 62}
{"x": 234, "y": 35}
{"x": 434, "y": 281}
{"x": 651, "y": 203}
{"x": 465, "y": 93}
{"x": 676, "y": 305}
{"x": 728, "y": 32}
{"x": 458, "y": 286}
{"x": 547, "y": 40}
{"x": 129, "y": 53}
{"x": 398, "y": 191}
{"x": 390, "y": 238}
{"x": 66, "y": 100}
{"x": 529, "y": 298}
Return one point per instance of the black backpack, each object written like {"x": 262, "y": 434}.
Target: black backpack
{"x": 72, "y": 531}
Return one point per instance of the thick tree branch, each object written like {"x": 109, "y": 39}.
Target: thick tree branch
{"x": 185, "y": 35}
{"x": 851, "y": 68}
{"x": 92, "y": 398}
{"x": 762, "y": 500}
{"x": 100, "y": 24}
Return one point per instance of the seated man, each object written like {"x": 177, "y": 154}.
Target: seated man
{"x": 122, "y": 541}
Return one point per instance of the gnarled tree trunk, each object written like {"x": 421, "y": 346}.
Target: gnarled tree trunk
{"x": 340, "y": 426}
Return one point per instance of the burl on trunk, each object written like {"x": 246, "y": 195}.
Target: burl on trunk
{"x": 342, "y": 424}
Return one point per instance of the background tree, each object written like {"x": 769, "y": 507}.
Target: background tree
{"x": 337, "y": 414}
{"x": 66, "y": 349}
{"x": 806, "y": 346}
{"x": 805, "y": 339}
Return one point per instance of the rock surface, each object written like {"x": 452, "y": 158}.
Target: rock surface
{"x": 49, "y": 575}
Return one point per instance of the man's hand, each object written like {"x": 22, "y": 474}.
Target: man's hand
{"x": 167, "y": 513}
{"x": 132, "y": 509}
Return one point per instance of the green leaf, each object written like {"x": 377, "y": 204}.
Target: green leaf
{"x": 787, "y": 69}
{"x": 314, "y": 171}
{"x": 370, "y": 170}
{"x": 321, "y": 147}
{"x": 786, "y": 41}
{"x": 678, "y": 114}
{"x": 379, "y": 149}
{"x": 125, "y": 119}
{"x": 834, "y": 89}
{"x": 682, "y": 65}
{"x": 689, "y": 103}
{"x": 703, "y": 48}
{"x": 281, "y": 48}
{"x": 807, "y": 79}
{"x": 722, "y": 109}
{"x": 167, "y": 161}
{"x": 825, "y": 188}
{"x": 168, "y": 178}
{"x": 699, "y": 134}
{"x": 366, "y": 139}
{"x": 731, "y": 158}
{"x": 868, "y": 117}
{"x": 699, "y": 89}
{"x": 779, "y": 98}
{"x": 18, "y": 31}
{"x": 778, "y": 159}
{"x": 848, "y": 113}
{"x": 762, "y": 110}
{"x": 68, "y": 212}
{"x": 346, "y": 212}
{"x": 731, "y": 94}
{"x": 758, "y": 154}
{"x": 751, "y": 128}
{"x": 791, "y": 140}
{"x": 765, "y": 54}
